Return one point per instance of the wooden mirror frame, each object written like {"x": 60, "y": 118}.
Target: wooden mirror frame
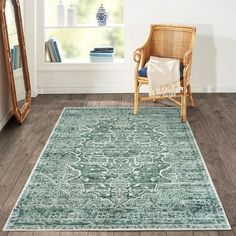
{"x": 22, "y": 112}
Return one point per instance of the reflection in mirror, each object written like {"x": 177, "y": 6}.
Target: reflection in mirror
{"x": 16, "y": 58}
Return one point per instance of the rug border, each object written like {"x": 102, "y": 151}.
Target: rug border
{"x": 209, "y": 176}
{"x": 99, "y": 230}
{"x": 36, "y": 164}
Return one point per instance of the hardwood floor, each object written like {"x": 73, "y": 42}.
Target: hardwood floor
{"x": 213, "y": 122}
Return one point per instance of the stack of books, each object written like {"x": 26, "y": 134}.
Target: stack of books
{"x": 15, "y": 57}
{"x": 53, "y": 50}
{"x": 102, "y": 54}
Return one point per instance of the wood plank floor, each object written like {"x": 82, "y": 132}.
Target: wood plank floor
{"x": 213, "y": 122}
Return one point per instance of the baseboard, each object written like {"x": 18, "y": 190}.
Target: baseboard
{"x": 214, "y": 89}
{"x": 5, "y": 119}
{"x": 81, "y": 90}
{"x": 34, "y": 93}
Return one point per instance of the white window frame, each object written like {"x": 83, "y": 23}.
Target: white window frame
{"x": 74, "y": 66}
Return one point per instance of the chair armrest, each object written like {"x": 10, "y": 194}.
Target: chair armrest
{"x": 187, "y": 57}
{"x": 187, "y": 61}
{"x": 138, "y": 58}
{"x": 138, "y": 55}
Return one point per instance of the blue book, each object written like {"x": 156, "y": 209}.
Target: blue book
{"x": 53, "y": 50}
{"x": 102, "y": 48}
{"x": 103, "y": 51}
{"x": 101, "y": 54}
{"x": 56, "y": 49}
{"x": 18, "y": 59}
{"x": 12, "y": 58}
{"x": 101, "y": 59}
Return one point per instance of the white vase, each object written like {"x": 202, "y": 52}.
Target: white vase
{"x": 60, "y": 13}
{"x": 72, "y": 15}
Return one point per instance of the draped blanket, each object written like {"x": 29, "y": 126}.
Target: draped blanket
{"x": 164, "y": 76}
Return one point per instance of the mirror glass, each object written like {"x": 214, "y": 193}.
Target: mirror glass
{"x": 16, "y": 59}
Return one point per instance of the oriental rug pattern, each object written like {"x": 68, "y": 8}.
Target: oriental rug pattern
{"x": 106, "y": 169}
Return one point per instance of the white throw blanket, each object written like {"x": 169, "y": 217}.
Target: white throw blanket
{"x": 164, "y": 76}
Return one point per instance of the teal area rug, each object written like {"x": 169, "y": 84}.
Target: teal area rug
{"x": 106, "y": 169}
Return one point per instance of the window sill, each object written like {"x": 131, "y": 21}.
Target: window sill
{"x": 84, "y": 65}
{"x": 85, "y": 26}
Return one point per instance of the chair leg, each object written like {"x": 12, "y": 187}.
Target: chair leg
{"x": 183, "y": 108}
{"x": 191, "y": 102}
{"x": 136, "y": 98}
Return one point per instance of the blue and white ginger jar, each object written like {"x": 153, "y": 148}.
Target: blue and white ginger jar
{"x": 102, "y": 16}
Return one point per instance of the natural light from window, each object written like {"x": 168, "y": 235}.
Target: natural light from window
{"x": 79, "y": 35}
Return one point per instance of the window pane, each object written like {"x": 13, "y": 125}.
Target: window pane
{"x": 76, "y": 43}
{"x": 86, "y": 11}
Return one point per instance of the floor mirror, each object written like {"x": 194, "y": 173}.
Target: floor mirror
{"x": 16, "y": 60}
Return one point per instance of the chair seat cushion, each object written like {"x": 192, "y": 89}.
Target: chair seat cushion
{"x": 143, "y": 72}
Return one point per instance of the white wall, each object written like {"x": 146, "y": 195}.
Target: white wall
{"x": 213, "y": 65}
{"x": 30, "y": 29}
{"x": 4, "y": 92}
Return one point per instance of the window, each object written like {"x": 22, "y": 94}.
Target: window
{"x": 79, "y": 39}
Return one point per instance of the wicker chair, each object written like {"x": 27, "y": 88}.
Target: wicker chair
{"x": 169, "y": 41}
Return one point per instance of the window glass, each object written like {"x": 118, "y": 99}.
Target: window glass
{"x": 77, "y": 43}
{"x": 79, "y": 39}
{"x": 86, "y": 11}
